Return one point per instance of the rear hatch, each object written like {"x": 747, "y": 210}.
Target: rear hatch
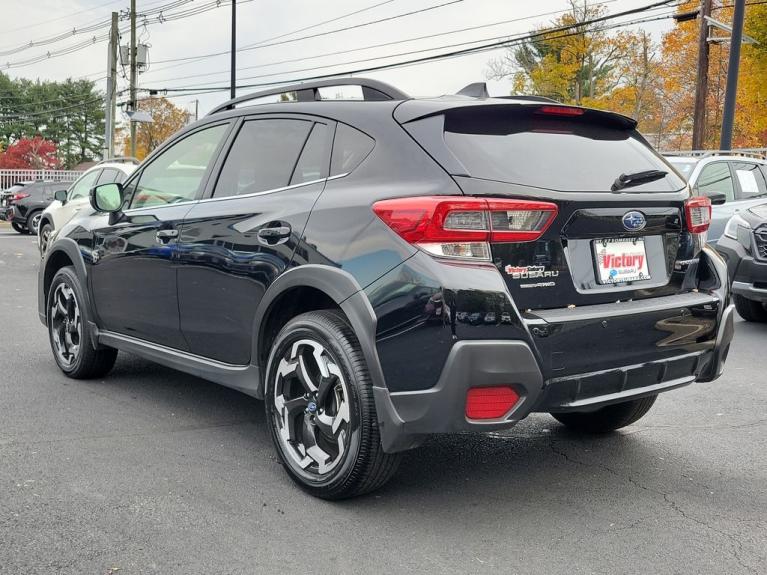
{"x": 619, "y": 232}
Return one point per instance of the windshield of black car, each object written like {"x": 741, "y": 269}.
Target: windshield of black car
{"x": 552, "y": 152}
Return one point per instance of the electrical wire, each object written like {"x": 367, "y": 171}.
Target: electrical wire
{"x": 455, "y": 53}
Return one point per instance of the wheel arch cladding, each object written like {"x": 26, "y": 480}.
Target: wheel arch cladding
{"x": 64, "y": 252}
{"x": 319, "y": 286}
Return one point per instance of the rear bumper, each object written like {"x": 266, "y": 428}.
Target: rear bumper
{"x": 689, "y": 342}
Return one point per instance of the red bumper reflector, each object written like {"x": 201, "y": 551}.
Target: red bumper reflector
{"x": 490, "y": 402}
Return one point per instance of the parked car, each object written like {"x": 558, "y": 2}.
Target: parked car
{"x": 260, "y": 248}
{"x": 25, "y": 202}
{"x": 71, "y": 201}
{"x": 744, "y": 247}
{"x": 733, "y": 181}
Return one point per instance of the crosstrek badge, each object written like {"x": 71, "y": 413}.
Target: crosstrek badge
{"x": 621, "y": 260}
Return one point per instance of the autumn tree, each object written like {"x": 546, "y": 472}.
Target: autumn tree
{"x": 30, "y": 154}
{"x": 567, "y": 61}
{"x": 69, "y": 113}
{"x": 167, "y": 119}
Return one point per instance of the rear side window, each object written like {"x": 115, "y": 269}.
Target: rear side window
{"x": 313, "y": 162}
{"x": 716, "y": 178}
{"x": 262, "y": 157}
{"x": 553, "y": 152}
{"x": 350, "y": 147}
{"x": 750, "y": 179}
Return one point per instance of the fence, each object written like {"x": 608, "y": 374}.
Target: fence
{"x": 10, "y": 177}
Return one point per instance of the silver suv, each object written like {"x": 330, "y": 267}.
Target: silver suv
{"x": 734, "y": 181}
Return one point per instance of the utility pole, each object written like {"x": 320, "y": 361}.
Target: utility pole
{"x": 109, "y": 104}
{"x": 132, "y": 75}
{"x": 234, "y": 49}
{"x": 196, "y": 110}
{"x": 731, "y": 91}
{"x": 701, "y": 86}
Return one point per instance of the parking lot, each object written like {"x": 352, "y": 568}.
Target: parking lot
{"x": 153, "y": 471}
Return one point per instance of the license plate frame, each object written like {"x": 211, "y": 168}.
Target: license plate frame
{"x": 623, "y": 264}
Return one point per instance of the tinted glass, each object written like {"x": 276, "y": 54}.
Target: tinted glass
{"x": 262, "y": 157}
{"x": 108, "y": 176}
{"x": 750, "y": 179}
{"x": 565, "y": 154}
{"x": 313, "y": 162}
{"x": 82, "y": 187}
{"x": 350, "y": 147}
{"x": 177, "y": 173}
{"x": 684, "y": 167}
{"x": 716, "y": 178}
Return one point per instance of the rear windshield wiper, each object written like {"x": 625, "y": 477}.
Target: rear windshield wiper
{"x": 636, "y": 179}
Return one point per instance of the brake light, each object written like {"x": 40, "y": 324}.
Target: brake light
{"x": 19, "y": 196}
{"x": 560, "y": 111}
{"x": 462, "y": 227}
{"x": 490, "y": 402}
{"x": 698, "y": 214}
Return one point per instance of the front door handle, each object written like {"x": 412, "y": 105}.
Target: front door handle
{"x": 274, "y": 235}
{"x": 164, "y": 236}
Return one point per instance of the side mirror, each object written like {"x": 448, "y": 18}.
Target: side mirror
{"x": 717, "y": 198}
{"x": 107, "y": 198}
{"x": 61, "y": 196}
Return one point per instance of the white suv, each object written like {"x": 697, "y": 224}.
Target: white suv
{"x": 733, "y": 181}
{"x": 69, "y": 202}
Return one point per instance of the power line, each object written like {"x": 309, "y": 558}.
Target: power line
{"x": 455, "y": 53}
{"x": 392, "y": 43}
{"x": 154, "y": 16}
{"x": 291, "y": 40}
{"x": 297, "y": 31}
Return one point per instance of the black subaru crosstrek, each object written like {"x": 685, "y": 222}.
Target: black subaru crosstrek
{"x": 379, "y": 271}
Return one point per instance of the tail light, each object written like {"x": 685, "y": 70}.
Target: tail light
{"x": 463, "y": 227}
{"x": 698, "y": 214}
{"x": 19, "y": 196}
{"x": 560, "y": 111}
{"x": 490, "y": 402}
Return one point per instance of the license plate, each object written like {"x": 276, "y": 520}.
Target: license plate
{"x": 620, "y": 260}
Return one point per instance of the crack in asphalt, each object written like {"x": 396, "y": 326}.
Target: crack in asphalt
{"x": 673, "y": 505}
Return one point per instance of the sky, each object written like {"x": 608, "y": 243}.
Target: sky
{"x": 25, "y": 21}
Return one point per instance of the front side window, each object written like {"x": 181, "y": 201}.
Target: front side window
{"x": 263, "y": 156}
{"x": 82, "y": 187}
{"x": 176, "y": 175}
{"x": 750, "y": 179}
{"x": 716, "y": 178}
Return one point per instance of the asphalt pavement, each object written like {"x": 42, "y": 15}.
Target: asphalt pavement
{"x": 153, "y": 471}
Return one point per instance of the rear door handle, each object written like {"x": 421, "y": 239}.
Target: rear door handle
{"x": 164, "y": 236}
{"x": 274, "y": 235}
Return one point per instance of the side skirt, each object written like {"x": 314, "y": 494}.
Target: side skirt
{"x": 244, "y": 378}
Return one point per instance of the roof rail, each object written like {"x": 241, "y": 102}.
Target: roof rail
{"x": 119, "y": 160}
{"x": 758, "y": 153}
{"x": 372, "y": 90}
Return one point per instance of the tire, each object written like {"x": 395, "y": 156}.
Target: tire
{"x": 749, "y": 309}
{"x": 45, "y": 235}
{"x": 69, "y": 331}
{"x": 323, "y": 422}
{"x": 608, "y": 418}
{"x": 33, "y": 222}
{"x": 19, "y": 228}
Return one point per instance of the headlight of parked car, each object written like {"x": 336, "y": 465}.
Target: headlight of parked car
{"x": 739, "y": 229}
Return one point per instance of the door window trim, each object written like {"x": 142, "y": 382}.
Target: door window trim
{"x": 172, "y": 142}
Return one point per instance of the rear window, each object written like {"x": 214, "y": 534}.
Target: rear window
{"x": 552, "y": 152}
